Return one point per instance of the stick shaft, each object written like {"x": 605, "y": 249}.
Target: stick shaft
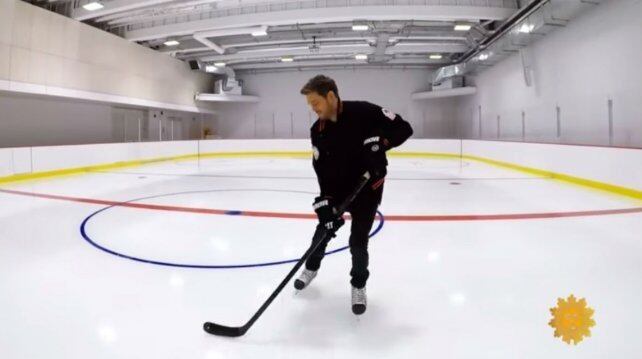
{"x": 320, "y": 235}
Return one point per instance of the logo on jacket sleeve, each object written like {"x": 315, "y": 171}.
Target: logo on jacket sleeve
{"x": 391, "y": 115}
{"x": 315, "y": 153}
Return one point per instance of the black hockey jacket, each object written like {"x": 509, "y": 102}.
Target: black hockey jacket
{"x": 338, "y": 147}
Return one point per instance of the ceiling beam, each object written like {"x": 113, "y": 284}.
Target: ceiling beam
{"x": 339, "y": 40}
{"x": 115, "y": 6}
{"x": 382, "y": 45}
{"x": 292, "y": 51}
{"x": 426, "y": 48}
{"x": 347, "y": 62}
{"x": 323, "y": 15}
{"x": 145, "y": 12}
{"x": 202, "y": 36}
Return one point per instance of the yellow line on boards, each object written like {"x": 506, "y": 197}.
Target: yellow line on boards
{"x": 583, "y": 182}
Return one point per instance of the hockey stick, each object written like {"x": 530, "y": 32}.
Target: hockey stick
{"x": 320, "y": 235}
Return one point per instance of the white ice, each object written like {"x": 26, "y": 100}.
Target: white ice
{"x": 438, "y": 289}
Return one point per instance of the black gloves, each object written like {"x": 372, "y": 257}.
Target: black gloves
{"x": 374, "y": 154}
{"x": 325, "y": 210}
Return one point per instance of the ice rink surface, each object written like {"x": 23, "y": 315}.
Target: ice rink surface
{"x": 466, "y": 265}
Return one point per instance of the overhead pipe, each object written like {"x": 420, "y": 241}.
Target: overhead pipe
{"x": 503, "y": 29}
{"x": 467, "y": 62}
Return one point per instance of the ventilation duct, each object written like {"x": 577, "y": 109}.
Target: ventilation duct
{"x": 530, "y": 23}
{"x": 226, "y": 82}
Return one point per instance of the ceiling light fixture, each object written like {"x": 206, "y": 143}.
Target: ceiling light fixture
{"x": 93, "y": 6}
{"x": 463, "y": 27}
{"x": 260, "y": 32}
{"x": 526, "y": 28}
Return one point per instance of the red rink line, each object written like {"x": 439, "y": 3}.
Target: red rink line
{"x": 417, "y": 218}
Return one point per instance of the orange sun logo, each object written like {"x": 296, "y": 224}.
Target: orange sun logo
{"x": 572, "y": 319}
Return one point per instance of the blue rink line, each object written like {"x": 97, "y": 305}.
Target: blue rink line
{"x": 83, "y": 232}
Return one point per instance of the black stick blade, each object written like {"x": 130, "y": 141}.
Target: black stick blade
{"x": 222, "y": 330}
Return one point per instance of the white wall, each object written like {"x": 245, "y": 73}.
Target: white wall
{"x": 597, "y": 57}
{"x": 283, "y": 113}
{"x": 51, "y": 55}
{"x": 42, "y": 121}
{"x": 26, "y": 121}
{"x": 163, "y": 125}
{"x": 126, "y": 123}
{"x": 42, "y": 49}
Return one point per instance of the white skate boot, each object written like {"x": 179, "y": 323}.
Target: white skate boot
{"x": 359, "y": 300}
{"x": 304, "y": 279}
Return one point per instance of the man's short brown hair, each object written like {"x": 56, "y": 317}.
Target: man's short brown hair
{"x": 320, "y": 84}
